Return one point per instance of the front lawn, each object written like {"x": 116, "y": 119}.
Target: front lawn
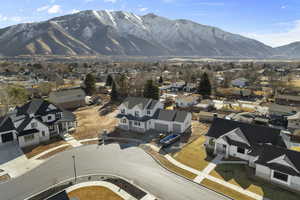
{"x": 224, "y": 190}
{"x": 237, "y": 175}
{"x": 33, "y": 151}
{"x": 194, "y": 155}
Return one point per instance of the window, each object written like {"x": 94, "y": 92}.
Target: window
{"x": 137, "y": 113}
{"x": 123, "y": 111}
{"x": 57, "y": 115}
{"x": 28, "y": 138}
{"x": 124, "y": 121}
{"x": 43, "y": 133}
{"x": 148, "y": 112}
{"x": 49, "y": 117}
{"x": 33, "y": 125}
{"x": 241, "y": 150}
{"x": 137, "y": 123}
{"x": 280, "y": 176}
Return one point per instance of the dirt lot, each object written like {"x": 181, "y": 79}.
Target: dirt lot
{"x": 90, "y": 123}
{"x": 33, "y": 151}
{"x": 94, "y": 193}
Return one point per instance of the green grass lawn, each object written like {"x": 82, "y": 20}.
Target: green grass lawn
{"x": 236, "y": 174}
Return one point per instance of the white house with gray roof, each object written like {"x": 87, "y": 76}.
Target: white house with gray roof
{"x": 142, "y": 114}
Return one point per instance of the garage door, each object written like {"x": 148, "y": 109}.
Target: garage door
{"x": 8, "y": 137}
{"x": 176, "y": 128}
{"x": 161, "y": 127}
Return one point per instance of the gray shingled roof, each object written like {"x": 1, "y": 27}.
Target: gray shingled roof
{"x": 170, "y": 115}
{"x": 130, "y": 102}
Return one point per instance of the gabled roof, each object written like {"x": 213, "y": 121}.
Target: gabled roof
{"x": 6, "y": 124}
{"x": 255, "y": 134}
{"x": 131, "y": 102}
{"x": 36, "y": 106}
{"x": 238, "y": 136}
{"x": 280, "y": 159}
{"x": 170, "y": 115}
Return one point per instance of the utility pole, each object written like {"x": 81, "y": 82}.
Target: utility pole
{"x": 74, "y": 166}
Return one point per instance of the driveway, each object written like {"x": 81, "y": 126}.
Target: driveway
{"x": 14, "y": 162}
{"x": 131, "y": 163}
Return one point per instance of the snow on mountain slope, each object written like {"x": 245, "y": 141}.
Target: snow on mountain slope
{"x": 124, "y": 33}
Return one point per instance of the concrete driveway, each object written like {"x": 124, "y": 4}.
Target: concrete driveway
{"x": 14, "y": 162}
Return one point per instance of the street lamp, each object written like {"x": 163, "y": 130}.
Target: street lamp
{"x": 74, "y": 166}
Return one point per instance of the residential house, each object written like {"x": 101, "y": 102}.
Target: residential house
{"x": 294, "y": 121}
{"x": 289, "y": 100}
{"x": 265, "y": 149}
{"x": 279, "y": 165}
{"x": 186, "y": 101}
{"x": 281, "y": 110}
{"x": 34, "y": 123}
{"x": 69, "y": 98}
{"x": 240, "y": 82}
{"x": 142, "y": 114}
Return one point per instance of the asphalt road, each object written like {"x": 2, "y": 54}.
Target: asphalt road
{"x": 131, "y": 163}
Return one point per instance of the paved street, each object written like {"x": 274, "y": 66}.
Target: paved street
{"x": 131, "y": 163}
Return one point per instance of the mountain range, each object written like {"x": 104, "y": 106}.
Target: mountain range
{"x": 123, "y": 33}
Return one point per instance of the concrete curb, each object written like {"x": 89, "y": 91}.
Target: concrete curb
{"x": 179, "y": 175}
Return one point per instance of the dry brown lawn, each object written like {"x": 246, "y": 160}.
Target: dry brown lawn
{"x": 224, "y": 190}
{"x": 33, "y": 151}
{"x": 94, "y": 193}
{"x": 90, "y": 123}
{"x": 52, "y": 153}
{"x": 90, "y": 142}
{"x": 194, "y": 154}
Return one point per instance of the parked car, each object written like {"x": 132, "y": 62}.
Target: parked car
{"x": 170, "y": 139}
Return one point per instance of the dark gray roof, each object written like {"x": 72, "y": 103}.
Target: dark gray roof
{"x": 170, "y": 115}
{"x": 131, "y": 117}
{"x": 152, "y": 104}
{"x": 36, "y": 106}
{"x": 255, "y": 134}
{"x": 28, "y": 132}
{"x": 269, "y": 153}
{"x": 130, "y": 102}
{"x": 24, "y": 123}
{"x": 6, "y": 124}
{"x": 67, "y": 116}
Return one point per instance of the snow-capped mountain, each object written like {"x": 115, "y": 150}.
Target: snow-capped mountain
{"x": 124, "y": 33}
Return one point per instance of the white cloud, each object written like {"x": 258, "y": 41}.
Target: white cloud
{"x": 143, "y": 9}
{"x": 281, "y": 38}
{"x": 41, "y": 9}
{"x": 110, "y": 1}
{"x": 54, "y": 9}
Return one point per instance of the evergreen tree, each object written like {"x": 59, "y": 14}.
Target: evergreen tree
{"x": 160, "y": 81}
{"x": 109, "y": 80}
{"x": 151, "y": 90}
{"x": 204, "y": 87}
{"x": 114, "y": 93}
{"x": 90, "y": 84}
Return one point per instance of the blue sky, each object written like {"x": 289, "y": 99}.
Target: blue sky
{"x": 274, "y": 22}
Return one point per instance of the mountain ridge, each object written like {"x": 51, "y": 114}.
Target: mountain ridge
{"x": 123, "y": 33}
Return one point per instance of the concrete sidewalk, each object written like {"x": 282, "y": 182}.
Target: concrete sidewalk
{"x": 205, "y": 174}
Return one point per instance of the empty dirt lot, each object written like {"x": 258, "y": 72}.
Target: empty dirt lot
{"x": 90, "y": 123}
